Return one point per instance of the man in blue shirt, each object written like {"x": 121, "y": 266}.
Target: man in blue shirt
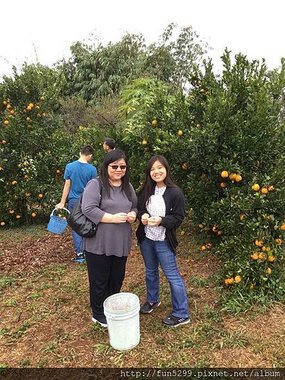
{"x": 76, "y": 175}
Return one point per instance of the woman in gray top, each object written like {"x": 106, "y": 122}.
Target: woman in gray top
{"x": 112, "y": 205}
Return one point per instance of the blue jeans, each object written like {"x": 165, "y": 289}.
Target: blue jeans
{"x": 159, "y": 252}
{"x": 77, "y": 239}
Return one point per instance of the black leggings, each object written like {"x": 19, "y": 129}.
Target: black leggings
{"x": 106, "y": 275}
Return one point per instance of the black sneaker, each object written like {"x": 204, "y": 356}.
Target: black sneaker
{"x": 102, "y": 321}
{"x": 172, "y": 321}
{"x": 148, "y": 307}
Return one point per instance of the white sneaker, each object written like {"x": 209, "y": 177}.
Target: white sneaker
{"x": 102, "y": 321}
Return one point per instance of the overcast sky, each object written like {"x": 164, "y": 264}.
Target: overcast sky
{"x": 42, "y": 31}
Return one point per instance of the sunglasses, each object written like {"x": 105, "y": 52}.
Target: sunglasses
{"x": 115, "y": 167}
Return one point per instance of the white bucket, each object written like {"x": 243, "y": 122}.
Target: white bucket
{"x": 122, "y": 313}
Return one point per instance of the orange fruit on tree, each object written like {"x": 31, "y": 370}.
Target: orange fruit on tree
{"x": 6, "y": 122}
{"x": 255, "y": 187}
{"x": 254, "y": 256}
{"x": 282, "y": 227}
{"x": 237, "y": 279}
{"x": 180, "y": 132}
{"x": 223, "y": 185}
{"x": 264, "y": 190}
{"x": 232, "y": 176}
{"x": 154, "y": 123}
{"x": 224, "y": 174}
{"x": 268, "y": 270}
{"x": 238, "y": 178}
{"x": 259, "y": 243}
{"x": 184, "y": 166}
{"x": 271, "y": 258}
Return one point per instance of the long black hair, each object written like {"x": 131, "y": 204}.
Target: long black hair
{"x": 149, "y": 184}
{"x": 109, "y": 158}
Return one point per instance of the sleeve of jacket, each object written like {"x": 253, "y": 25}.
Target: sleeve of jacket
{"x": 176, "y": 213}
{"x": 141, "y": 206}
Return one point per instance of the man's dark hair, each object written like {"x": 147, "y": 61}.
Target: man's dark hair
{"x": 87, "y": 150}
{"x": 110, "y": 142}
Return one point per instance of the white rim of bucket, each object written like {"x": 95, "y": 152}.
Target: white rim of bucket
{"x": 120, "y": 312}
{"x": 123, "y": 316}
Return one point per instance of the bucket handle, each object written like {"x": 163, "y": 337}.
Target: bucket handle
{"x": 59, "y": 209}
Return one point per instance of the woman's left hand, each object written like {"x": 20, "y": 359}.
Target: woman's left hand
{"x": 154, "y": 221}
{"x": 131, "y": 216}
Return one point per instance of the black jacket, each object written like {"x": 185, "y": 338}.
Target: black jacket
{"x": 174, "y": 215}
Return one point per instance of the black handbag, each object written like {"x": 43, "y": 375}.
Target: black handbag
{"x": 79, "y": 222}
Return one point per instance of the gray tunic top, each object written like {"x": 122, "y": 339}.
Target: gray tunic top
{"x": 111, "y": 238}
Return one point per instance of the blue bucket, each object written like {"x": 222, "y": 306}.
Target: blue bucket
{"x": 56, "y": 224}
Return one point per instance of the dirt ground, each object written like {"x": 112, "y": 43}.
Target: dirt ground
{"x": 247, "y": 340}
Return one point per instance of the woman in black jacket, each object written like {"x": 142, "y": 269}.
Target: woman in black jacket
{"x": 161, "y": 209}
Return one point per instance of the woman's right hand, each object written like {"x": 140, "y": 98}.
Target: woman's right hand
{"x": 120, "y": 217}
{"x": 145, "y": 218}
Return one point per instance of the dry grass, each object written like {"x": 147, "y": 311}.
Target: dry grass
{"x": 45, "y": 317}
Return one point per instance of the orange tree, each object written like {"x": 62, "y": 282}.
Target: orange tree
{"x": 33, "y": 146}
{"x": 237, "y": 182}
{"x": 225, "y": 142}
{"x": 155, "y": 119}
{"x": 36, "y": 143}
